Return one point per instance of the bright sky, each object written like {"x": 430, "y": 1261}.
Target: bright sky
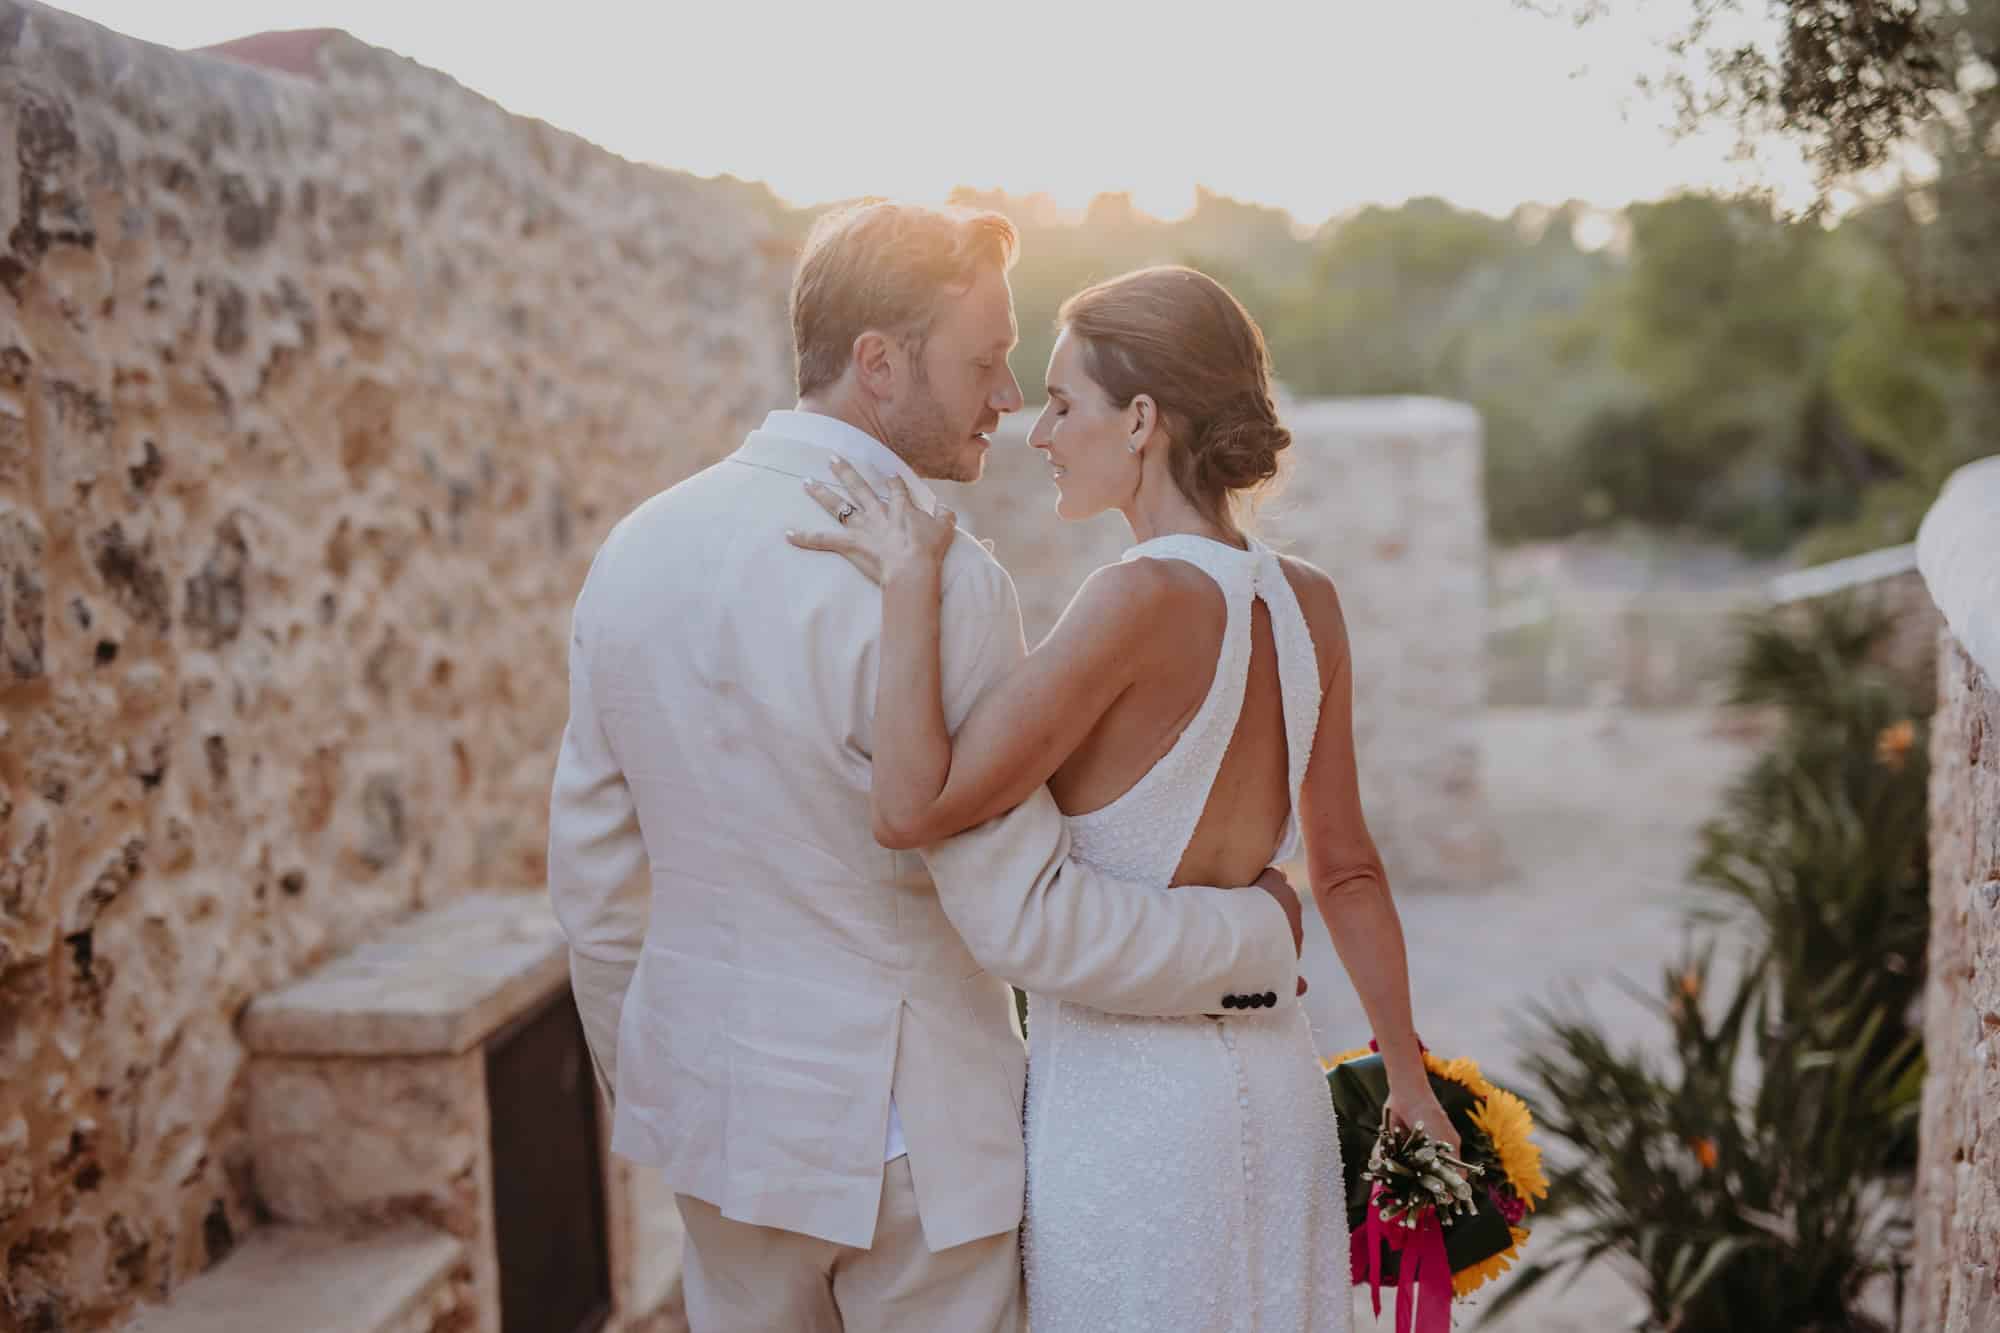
{"x": 1312, "y": 105}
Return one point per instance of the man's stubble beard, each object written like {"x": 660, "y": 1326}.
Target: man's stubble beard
{"x": 924, "y": 439}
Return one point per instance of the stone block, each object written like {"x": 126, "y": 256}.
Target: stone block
{"x": 350, "y": 1137}
{"x": 437, "y": 983}
{"x": 407, "y": 1279}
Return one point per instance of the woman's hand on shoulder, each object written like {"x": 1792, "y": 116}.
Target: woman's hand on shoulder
{"x": 884, "y": 536}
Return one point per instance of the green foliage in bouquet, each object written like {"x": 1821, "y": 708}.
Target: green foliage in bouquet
{"x": 1757, "y": 1174}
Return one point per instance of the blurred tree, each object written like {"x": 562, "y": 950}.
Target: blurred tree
{"x": 1242, "y": 245}
{"x": 1850, "y": 79}
{"x": 1381, "y": 309}
{"x": 1864, "y": 83}
{"x": 1730, "y": 319}
{"x": 1716, "y": 367}
{"x": 1865, "y": 87}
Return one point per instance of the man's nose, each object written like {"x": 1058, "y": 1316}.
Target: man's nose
{"x": 1009, "y": 398}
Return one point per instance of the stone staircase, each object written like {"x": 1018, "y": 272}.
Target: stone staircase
{"x": 427, "y": 1137}
{"x": 389, "y": 1280}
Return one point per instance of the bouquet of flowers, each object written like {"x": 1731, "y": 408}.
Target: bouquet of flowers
{"x": 1440, "y": 1226}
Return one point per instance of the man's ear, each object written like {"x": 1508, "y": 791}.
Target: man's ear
{"x": 877, "y": 361}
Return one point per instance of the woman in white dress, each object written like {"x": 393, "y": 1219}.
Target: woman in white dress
{"x": 1192, "y": 715}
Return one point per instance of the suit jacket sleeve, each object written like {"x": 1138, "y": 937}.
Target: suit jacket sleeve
{"x": 1051, "y": 925}
{"x": 597, "y": 865}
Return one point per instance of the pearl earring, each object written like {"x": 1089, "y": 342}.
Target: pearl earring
{"x": 1131, "y": 446}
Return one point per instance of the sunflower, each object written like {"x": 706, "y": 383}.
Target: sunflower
{"x": 1505, "y": 1121}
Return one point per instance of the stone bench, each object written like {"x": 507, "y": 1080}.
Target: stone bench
{"x": 437, "y": 1073}
{"x": 406, "y": 1279}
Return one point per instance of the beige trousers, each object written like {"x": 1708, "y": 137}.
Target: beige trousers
{"x": 741, "y": 1278}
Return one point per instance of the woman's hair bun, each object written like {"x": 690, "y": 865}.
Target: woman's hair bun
{"x": 1240, "y": 445}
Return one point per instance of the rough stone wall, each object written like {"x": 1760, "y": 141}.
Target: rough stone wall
{"x": 1385, "y": 495}
{"x": 1958, "y": 1240}
{"x": 1958, "y": 1178}
{"x": 316, "y": 395}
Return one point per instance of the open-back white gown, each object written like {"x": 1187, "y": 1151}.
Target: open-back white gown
{"x": 1184, "y": 1173}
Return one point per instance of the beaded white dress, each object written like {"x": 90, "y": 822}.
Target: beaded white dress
{"x": 1184, "y": 1173}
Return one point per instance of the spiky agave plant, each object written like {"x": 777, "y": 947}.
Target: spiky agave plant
{"x": 1822, "y": 844}
{"x": 1756, "y": 1174}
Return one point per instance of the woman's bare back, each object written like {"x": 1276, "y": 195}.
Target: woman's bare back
{"x": 1247, "y": 806}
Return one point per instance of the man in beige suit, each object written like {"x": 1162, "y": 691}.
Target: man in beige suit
{"x": 813, "y": 1036}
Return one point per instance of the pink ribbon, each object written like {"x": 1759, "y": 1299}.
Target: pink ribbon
{"x": 1423, "y": 1277}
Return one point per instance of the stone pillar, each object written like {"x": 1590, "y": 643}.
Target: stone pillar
{"x": 1958, "y": 1174}
{"x": 1386, "y": 495}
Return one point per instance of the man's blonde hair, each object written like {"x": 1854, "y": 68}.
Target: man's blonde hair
{"x": 883, "y": 266}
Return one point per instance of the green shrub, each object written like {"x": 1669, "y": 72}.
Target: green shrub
{"x": 1756, "y": 1173}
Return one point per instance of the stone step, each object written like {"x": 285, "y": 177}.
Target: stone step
{"x": 436, "y": 983}
{"x": 319, "y": 1280}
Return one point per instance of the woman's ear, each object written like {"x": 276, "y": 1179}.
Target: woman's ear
{"x": 1141, "y": 415}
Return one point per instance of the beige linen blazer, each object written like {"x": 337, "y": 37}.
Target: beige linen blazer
{"x": 755, "y": 974}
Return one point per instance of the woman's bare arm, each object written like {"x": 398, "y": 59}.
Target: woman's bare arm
{"x": 1348, "y": 882}
{"x": 930, "y": 784}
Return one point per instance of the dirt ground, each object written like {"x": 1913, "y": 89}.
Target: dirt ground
{"x": 1597, "y": 812}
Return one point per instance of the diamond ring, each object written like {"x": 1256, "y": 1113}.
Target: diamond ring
{"x": 847, "y": 511}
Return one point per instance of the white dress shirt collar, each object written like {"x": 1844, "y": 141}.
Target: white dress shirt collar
{"x": 876, "y": 460}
